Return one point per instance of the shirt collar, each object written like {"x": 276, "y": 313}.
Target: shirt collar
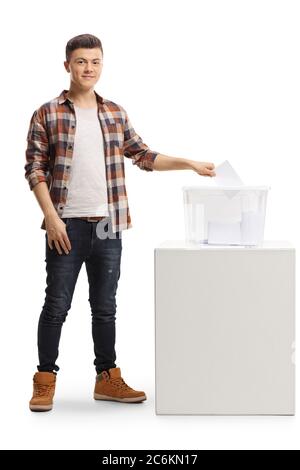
{"x": 62, "y": 97}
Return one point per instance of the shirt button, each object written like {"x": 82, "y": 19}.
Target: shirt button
{"x": 68, "y": 166}
{"x": 69, "y": 147}
{"x": 65, "y": 187}
{"x": 73, "y": 126}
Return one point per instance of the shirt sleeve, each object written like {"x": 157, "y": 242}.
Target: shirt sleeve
{"x": 135, "y": 148}
{"x": 37, "y": 151}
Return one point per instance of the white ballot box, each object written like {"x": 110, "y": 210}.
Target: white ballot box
{"x": 225, "y": 215}
{"x": 224, "y": 329}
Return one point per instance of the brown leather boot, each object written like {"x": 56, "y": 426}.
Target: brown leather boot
{"x": 43, "y": 391}
{"x": 111, "y": 386}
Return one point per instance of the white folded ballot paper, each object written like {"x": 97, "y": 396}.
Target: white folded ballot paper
{"x": 226, "y": 175}
{"x": 239, "y": 222}
{"x": 219, "y": 233}
{"x": 229, "y": 232}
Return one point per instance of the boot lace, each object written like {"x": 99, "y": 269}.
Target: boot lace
{"x": 42, "y": 389}
{"x": 119, "y": 383}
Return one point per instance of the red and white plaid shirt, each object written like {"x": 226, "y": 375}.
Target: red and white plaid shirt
{"x": 50, "y": 144}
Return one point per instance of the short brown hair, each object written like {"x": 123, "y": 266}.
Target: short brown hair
{"x": 87, "y": 41}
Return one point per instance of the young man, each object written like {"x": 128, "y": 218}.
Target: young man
{"x": 76, "y": 145}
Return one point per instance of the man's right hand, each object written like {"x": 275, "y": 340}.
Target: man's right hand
{"x": 56, "y": 231}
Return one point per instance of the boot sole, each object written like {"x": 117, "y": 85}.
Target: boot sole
{"x": 40, "y": 407}
{"x": 123, "y": 400}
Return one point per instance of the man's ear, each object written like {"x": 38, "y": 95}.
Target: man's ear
{"x": 66, "y": 64}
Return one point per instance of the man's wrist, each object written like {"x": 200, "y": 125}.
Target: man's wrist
{"x": 50, "y": 213}
{"x": 191, "y": 164}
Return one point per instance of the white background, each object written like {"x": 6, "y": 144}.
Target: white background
{"x": 205, "y": 80}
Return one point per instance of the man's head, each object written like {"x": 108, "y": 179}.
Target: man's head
{"x": 84, "y": 59}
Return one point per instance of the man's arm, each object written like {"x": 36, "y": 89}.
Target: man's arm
{"x": 136, "y": 149}
{"x": 42, "y": 195}
{"x": 149, "y": 160}
{"x": 37, "y": 173}
{"x": 37, "y": 151}
{"x": 165, "y": 162}
{"x": 55, "y": 227}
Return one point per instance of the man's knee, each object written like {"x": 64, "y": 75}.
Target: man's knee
{"x": 103, "y": 315}
{"x": 55, "y": 309}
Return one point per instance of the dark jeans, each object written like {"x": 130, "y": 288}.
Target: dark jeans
{"x": 102, "y": 257}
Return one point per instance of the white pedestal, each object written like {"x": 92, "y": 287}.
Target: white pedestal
{"x": 224, "y": 329}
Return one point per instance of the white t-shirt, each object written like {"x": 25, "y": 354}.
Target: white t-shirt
{"x": 87, "y": 192}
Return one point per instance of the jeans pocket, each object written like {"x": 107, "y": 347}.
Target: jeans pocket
{"x": 66, "y": 221}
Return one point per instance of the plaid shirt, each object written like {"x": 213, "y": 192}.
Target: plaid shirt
{"x": 50, "y": 144}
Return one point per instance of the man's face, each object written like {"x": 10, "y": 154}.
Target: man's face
{"x": 85, "y": 67}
